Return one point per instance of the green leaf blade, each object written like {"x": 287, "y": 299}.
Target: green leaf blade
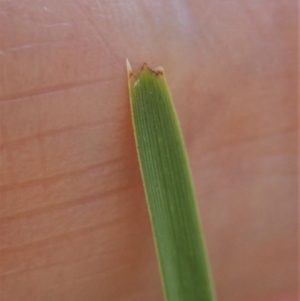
{"x": 168, "y": 187}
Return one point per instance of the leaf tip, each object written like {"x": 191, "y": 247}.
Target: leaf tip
{"x": 129, "y": 69}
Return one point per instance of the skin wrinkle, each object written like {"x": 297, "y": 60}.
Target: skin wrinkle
{"x": 250, "y": 140}
{"x": 52, "y": 143}
{"x": 63, "y": 205}
{"x": 12, "y": 260}
{"x": 55, "y": 25}
{"x": 20, "y": 141}
{"x": 57, "y": 177}
{"x": 238, "y": 108}
{"x": 29, "y": 126}
{"x": 110, "y": 269}
{"x": 31, "y": 46}
{"x": 44, "y": 33}
{"x": 78, "y": 224}
{"x": 50, "y": 51}
{"x": 97, "y": 30}
{"x": 53, "y": 89}
{"x": 14, "y": 256}
{"x": 81, "y": 210}
{"x": 252, "y": 150}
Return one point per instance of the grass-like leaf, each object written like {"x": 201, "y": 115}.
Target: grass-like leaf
{"x": 168, "y": 188}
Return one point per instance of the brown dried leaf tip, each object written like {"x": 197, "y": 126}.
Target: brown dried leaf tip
{"x": 158, "y": 71}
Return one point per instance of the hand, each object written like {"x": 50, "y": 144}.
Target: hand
{"x": 74, "y": 222}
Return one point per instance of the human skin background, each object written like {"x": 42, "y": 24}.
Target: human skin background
{"x": 73, "y": 221}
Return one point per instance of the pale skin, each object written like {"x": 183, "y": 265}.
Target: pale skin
{"x": 74, "y": 223}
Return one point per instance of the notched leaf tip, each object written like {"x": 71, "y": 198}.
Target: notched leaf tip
{"x": 158, "y": 71}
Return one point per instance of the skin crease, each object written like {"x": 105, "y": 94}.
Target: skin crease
{"x": 73, "y": 221}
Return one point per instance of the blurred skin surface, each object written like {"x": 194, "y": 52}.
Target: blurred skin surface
{"x": 74, "y": 223}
